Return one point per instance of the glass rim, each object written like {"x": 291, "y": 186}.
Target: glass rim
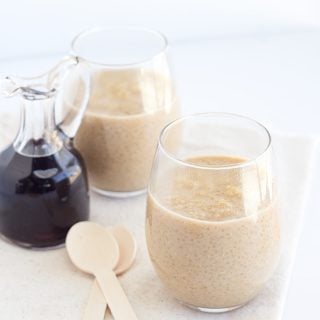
{"x": 219, "y": 166}
{"x": 98, "y": 29}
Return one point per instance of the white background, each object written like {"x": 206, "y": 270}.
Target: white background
{"x": 42, "y": 26}
{"x": 258, "y": 58}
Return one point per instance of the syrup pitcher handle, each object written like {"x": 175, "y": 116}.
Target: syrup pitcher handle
{"x": 72, "y": 76}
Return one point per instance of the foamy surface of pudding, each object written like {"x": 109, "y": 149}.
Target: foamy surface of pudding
{"x": 211, "y": 241}
{"x": 119, "y": 133}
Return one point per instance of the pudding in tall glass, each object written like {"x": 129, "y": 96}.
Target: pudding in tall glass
{"x": 132, "y": 99}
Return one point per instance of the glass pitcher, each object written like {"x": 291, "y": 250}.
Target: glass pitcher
{"x": 43, "y": 180}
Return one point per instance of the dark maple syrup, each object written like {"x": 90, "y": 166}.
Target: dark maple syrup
{"x": 41, "y": 197}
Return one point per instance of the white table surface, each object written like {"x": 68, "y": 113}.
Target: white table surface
{"x": 273, "y": 78}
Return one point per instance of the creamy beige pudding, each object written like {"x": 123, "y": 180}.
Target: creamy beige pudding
{"x": 208, "y": 241}
{"x": 119, "y": 133}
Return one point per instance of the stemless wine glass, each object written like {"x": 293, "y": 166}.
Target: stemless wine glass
{"x": 132, "y": 99}
{"x": 212, "y": 223}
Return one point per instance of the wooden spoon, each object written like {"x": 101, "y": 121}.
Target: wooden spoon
{"x": 97, "y": 305}
{"x": 94, "y": 250}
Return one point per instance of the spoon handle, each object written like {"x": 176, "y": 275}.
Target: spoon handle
{"x": 115, "y": 297}
{"x": 96, "y": 306}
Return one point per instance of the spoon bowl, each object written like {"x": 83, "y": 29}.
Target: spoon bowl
{"x": 127, "y": 246}
{"x": 91, "y": 247}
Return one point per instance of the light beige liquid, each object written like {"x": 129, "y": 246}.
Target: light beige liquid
{"x": 119, "y": 133}
{"x": 204, "y": 244}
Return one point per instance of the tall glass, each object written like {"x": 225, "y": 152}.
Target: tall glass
{"x": 212, "y": 225}
{"x": 132, "y": 99}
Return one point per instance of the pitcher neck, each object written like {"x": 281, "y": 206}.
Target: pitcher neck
{"x": 38, "y": 135}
